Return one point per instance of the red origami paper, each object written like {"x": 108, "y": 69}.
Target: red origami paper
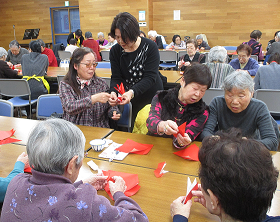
{"x": 27, "y": 170}
{"x": 131, "y": 146}
{"x": 120, "y": 90}
{"x": 159, "y": 171}
{"x": 131, "y": 182}
{"x": 8, "y": 140}
{"x": 191, "y": 187}
{"x": 181, "y": 129}
{"x": 190, "y": 153}
{"x": 6, "y": 134}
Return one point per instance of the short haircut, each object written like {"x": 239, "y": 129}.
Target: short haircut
{"x": 198, "y": 73}
{"x": 274, "y": 57}
{"x": 52, "y": 144}
{"x": 35, "y": 46}
{"x": 218, "y": 54}
{"x": 100, "y": 33}
{"x": 42, "y": 43}
{"x": 3, "y": 52}
{"x": 78, "y": 32}
{"x": 240, "y": 80}
{"x": 240, "y": 173}
{"x": 88, "y": 35}
{"x": 143, "y": 33}
{"x": 128, "y": 26}
{"x": 256, "y": 34}
{"x": 199, "y": 37}
{"x": 152, "y": 33}
{"x": 14, "y": 43}
{"x": 244, "y": 47}
{"x": 73, "y": 41}
{"x": 276, "y": 33}
{"x": 175, "y": 37}
{"x": 192, "y": 41}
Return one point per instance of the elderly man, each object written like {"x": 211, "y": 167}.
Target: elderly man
{"x": 158, "y": 39}
{"x": 202, "y": 45}
{"x": 49, "y": 53}
{"x": 91, "y": 43}
{"x": 15, "y": 53}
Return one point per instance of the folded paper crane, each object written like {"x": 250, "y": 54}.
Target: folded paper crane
{"x": 160, "y": 171}
{"x": 5, "y": 137}
{"x": 181, "y": 129}
{"x": 121, "y": 91}
{"x": 131, "y": 146}
{"x": 190, "y": 153}
{"x": 190, "y": 187}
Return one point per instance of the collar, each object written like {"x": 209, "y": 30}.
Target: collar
{"x": 47, "y": 178}
{"x": 82, "y": 82}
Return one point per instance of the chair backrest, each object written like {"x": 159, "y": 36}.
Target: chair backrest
{"x": 271, "y": 98}
{"x": 14, "y": 87}
{"x": 64, "y": 55}
{"x": 211, "y": 94}
{"x": 125, "y": 120}
{"x": 6, "y": 108}
{"x": 59, "y": 78}
{"x": 168, "y": 56}
{"x": 181, "y": 53}
{"x": 48, "y": 104}
{"x": 252, "y": 56}
{"x": 104, "y": 65}
{"x": 108, "y": 80}
{"x": 105, "y": 55}
{"x": 230, "y": 47}
{"x": 206, "y": 56}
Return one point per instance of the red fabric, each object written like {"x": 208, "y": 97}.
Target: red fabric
{"x": 91, "y": 43}
{"x": 51, "y": 57}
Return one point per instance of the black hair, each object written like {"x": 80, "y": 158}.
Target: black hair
{"x": 256, "y": 34}
{"x": 274, "y": 57}
{"x": 35, "y": 46}
{"x": 73, "y": 41}
{"x": 78, "y": 32}
{"x": 244, "y": 47}
{"x": 175, "y": 37}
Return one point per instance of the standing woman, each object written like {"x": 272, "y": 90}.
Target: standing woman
{"x": 134, "y": 62}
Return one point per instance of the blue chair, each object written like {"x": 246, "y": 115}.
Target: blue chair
{"x": 6, "y": 108}
{"x": 125, "y": 120}
{"x": 168, "y": 56}
{"x": 106, "y": 65}
{"x": 230, "y": 47}
{"x": 47, "y": 105}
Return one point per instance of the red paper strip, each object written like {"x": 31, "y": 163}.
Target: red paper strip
{"x": 190, "y": 153}
{"x": 8, "y": 140}
{"x": 6, "y": 134}
{"x": 27, "y": 170}
{"x": 120, "y": 88}
{"x": 158, "y": 170}
{"x": 182, "y": 129}
{"x": 189, "y": 196}
{"x": 131, "y": 146}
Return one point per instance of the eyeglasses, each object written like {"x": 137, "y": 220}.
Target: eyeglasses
{"x": 88, "y": 65}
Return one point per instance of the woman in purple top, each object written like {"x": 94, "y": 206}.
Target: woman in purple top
{"x": 171, "y": 108}
{"x": 56, "y": 149}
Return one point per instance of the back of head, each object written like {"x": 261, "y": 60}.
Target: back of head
{"x": 73, "y": 41}
{"x": 244, "y": 47}
{"x": 35, "y": 46}
{"x": 14, "y": 43}
{"x": 198, "y": 73}
{"x": 274, "y": 57}
{"x": 78, "y": 32}
{"x": 52, "y": 144}
{"x": 152, "y": 33}
{"x": 256, "y": 34}
{"x": 199, "y": 37}
{"x": 3, "y": 52}
{"x": 217, "y": 54}
{"x": 42, "y": 43}
{"x": 88, "y": 35}
{"x": 240, "y": 173}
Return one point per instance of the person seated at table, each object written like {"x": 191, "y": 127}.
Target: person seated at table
{"x": 48, "y": 52}
{"x": 217, "y": 59}
{"x": 192, "y": 55}
{"x": 272, "y": 41}
{"x": 238, "y": 180}
{"x": 5, "y": 71}
{"x": 78, "y": 35}
{"x": 268, "y": 76}
{"x": 171, "y": 108}
{"x": 238, "y": 109}
{"x": 244, "y": 60}
{"x": 275, "y": 47}
{"x": 55, "y": 149}
{"x": 91, "y": 43}
{"x": 84, "y": 96}
{"x": 156, "y": 38}
{"x": 255, "y": 45}
{"x": 72, "y": 45}
{"x": 21, "y": 164}
{"x": 202, "y": 45}
{"x": 111, "y": 41}
{"x": 15, "y": 53}
{"x": 176, "y": 43}
{"x": 142, "y": 34}
{"x": 101, "y": 39}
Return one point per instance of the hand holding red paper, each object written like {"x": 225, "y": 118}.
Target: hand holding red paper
{"x": 190, "y": 187}
{"x": 177, "y": 207}
{"x": 118, "y": 185}
{"x": 121, "y": 91}
{"x": 199, "y": 197}
{"x": 97, "y": 181}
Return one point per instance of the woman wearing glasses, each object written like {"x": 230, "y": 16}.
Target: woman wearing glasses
{"x": 84, "y": 96}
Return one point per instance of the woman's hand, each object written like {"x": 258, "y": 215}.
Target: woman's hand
{"x": 168, "y": 127}
{"x": 199, "y": 196}
{"x": 126, "y": 97}
{"x": 98, "y": 181}
{"x": 116, "y": 116}
{"x": 100, "y": 97}
{"x": 181, "y": 63}
{"x": 113, "y": 100}
{"x": 183, "y": 140}
{"x": 24, "y": 158}
{"x": 177, "y": 207}
{"x": 118, "y": 185}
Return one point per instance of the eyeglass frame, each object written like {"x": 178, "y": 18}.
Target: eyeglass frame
{"x": 88, "y": 65}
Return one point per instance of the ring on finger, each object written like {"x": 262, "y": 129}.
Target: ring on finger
{"x": 166, "y": 128}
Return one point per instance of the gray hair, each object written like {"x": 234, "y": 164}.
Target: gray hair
{"x": 52, "y": 144}
{"x": 217, "y": 53}
{"x": 199, "y": 37}
{"x": 14, "y": 43}
{"x": 3, "y": 52}
{"x": 89, "y": 35}
{"x": 278, "y": 36}
{"x": 152, "y": 33}
{"x": 100, "y": 33}
{"x": 240, "y": 80}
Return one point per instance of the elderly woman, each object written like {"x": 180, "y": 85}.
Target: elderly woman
{"x": 244, "y": 61}
{"x": 238, "y": 109}
{"x": 238, "y": 180}
{"x": 156, "y": 38}
{"x": 192, "y": 55}
{"x": 101, "y": 39}
{"x": 176, "y": 43}
{"x": 202, "y": 45}
{"x": 5, "y": 71}
{"x": 56, "y": 149}
{"x": 134, "y": 62}
{"x": 84, "y": 96}
{"x": 255, "y": 44}
{"x": 171, "y": 108}
{"x": 217, "y": 59}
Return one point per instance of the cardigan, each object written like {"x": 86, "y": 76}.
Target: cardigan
{"x": 198, "y": 57}
{"x": 6, "y": 72}
{"x": 252, "y": 65}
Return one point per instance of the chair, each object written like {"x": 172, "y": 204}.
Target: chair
{"x": 47, "y": 105}
{"x": 181, "y": 53}
{"x": 105, "y": 54}
{"x": 108, "y": 80}
{"x": 168, "y": 56}
{"x": 106, "y": 65}
{"x": 211, "y": 94}
{"x": 6, "y": 108}
{"x": 64, "y": 55}
{"x": 125, "y": 120}
{"x": 206, "y": 56}
{"x": 252, "y": 56}
{"x": 271, "y": 98}
{"x": 17, "y": 88}
{"x": 230, "y": 47}
{"x": 59, "y": 78}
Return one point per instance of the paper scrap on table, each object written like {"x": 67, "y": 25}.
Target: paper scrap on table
{"x": 190, "y": 153}
{"x": 131, "y": 182}
{"x": 121, "y": 90}
{"x": 191, "y": 186}
{"x": 110, "y": 152}
{"x": 160, "y": 171}
{"x": 181, "y": 129}
{"x": 6, "y": 134}
{"x": 131, "y": 146}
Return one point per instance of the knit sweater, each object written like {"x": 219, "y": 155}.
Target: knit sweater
{"x": 16, "y": 59}
{"x": 252, "y": 65}
{"x": 34, "y": 63}
{"x": 6, "y": 72}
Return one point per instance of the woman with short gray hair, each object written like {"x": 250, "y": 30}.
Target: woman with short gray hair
{"x": 101, "y": 39}
{"x": 217, "y": 59}
{"x": 5, "y": 70}
{"x": 238, "y": 109}
{"x": 55, "y": 148}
